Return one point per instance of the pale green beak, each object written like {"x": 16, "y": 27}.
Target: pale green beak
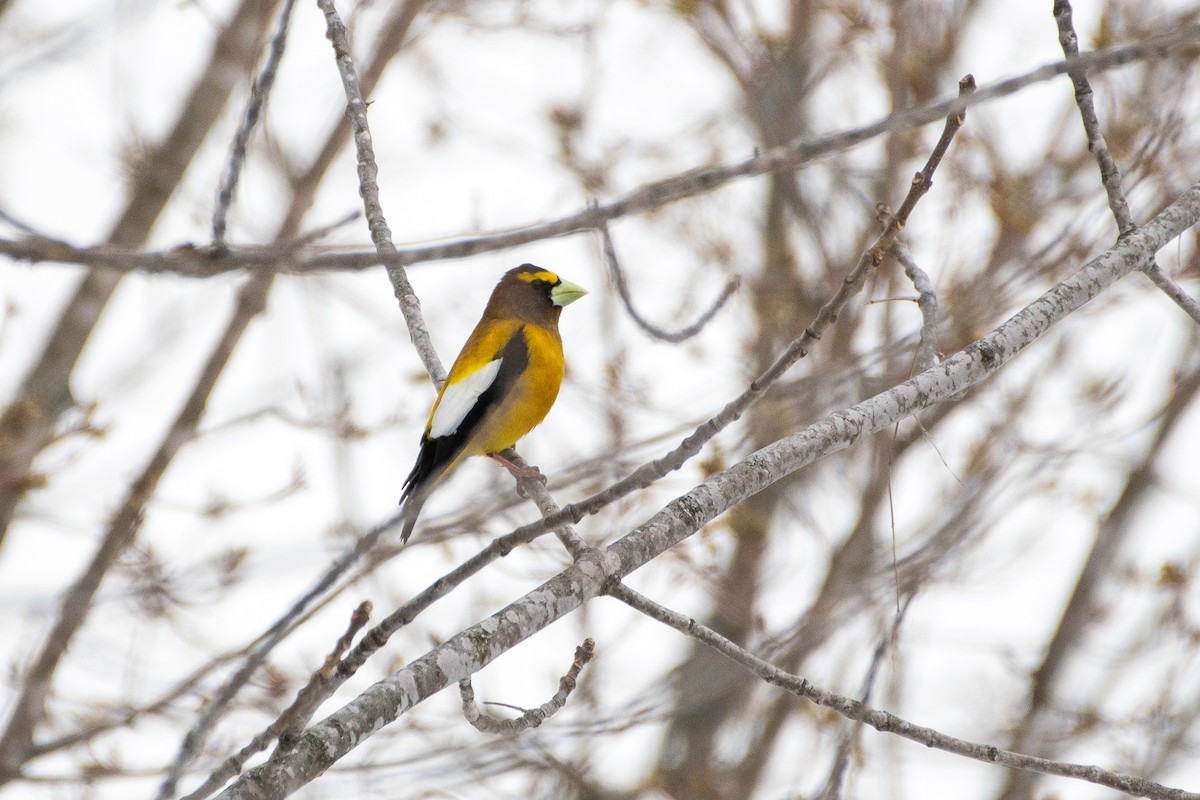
{"x": 566, "y": 293}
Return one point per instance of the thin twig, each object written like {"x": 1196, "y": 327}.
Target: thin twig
{"x": 1158, "y": 276}
{"x": 23, "y": 227}
{"x": 320, "y": 232}
{"x": 532, "y": 717}
{"x": 254, "y": 106}
{"x": 368, "y": 187}
{"x": 927, "y": 302}
{"x": 889, "y": 723}
{"x": 618, "y": 276}
{"x": 1110, "y": 175}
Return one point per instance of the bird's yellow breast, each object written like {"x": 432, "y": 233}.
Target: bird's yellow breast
{"x": 526, "y": 404}
{"x": 530, "y": 399}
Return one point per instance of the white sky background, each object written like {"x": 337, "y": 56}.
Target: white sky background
{"x": 64, "y": 124}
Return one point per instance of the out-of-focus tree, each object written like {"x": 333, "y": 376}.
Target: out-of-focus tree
{"x": 790, "y": 404}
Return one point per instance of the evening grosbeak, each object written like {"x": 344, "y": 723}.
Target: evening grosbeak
{"x": 501, "y": 385}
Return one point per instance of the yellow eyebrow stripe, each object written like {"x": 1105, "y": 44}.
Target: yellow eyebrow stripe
{"x": 544, "y": 275}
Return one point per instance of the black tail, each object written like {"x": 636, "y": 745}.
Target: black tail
{"x": 412, "y": 508}
{"x": 435, "y": 457}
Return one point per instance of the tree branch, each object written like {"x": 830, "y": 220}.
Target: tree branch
{"x": 1110, "y": 174}
{"x": 886, "y": 722}
{"x": 192, "y": 261}
{"x": 368, "y": 187}
{"x": 532, "y": 717}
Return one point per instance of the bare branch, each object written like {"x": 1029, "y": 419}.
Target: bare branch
{"x": 1110, "y": 175}
{"x": 254, "y": 106}
{"x": 927, "y": 301}
{"x": 889, "y": 723}
{"x": 193, "y": 261}
{"x": 368, "y": 186}
{"x": 681, "y": 335}
{"x": 533, "y": 717}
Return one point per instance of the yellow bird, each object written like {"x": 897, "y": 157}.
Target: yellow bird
{"x": 501, "y": 386}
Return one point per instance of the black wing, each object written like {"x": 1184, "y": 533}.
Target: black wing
{"x": 440, "y": 453}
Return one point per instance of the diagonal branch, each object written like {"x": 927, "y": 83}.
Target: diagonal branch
{"x": 258, "y": 99}
{"x": 887, "y": 722}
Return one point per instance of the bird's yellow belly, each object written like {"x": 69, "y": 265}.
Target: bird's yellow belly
{"x": 531, "y": 399}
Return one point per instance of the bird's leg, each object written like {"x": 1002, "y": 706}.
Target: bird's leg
{"x": 519, "y": 471}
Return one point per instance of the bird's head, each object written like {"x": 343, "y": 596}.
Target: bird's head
{"x": 531, "y": 293}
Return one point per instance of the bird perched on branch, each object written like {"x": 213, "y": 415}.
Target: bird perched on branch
{"x": 501, "y": 386}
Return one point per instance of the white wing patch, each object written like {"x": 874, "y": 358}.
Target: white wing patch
{"x": 459, "y": 398}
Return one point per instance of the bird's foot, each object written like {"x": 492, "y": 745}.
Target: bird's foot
{"x": 519, "y": 471}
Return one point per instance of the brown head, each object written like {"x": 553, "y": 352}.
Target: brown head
{"x": 533, "y": 295}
